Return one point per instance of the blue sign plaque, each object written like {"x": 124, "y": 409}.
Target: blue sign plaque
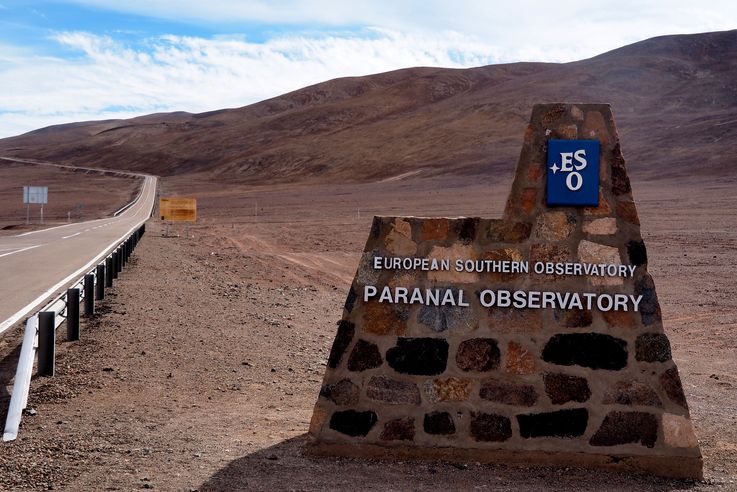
{"x": 573, "y": 172}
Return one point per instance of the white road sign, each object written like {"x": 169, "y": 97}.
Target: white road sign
{"x": 36, "y": 194}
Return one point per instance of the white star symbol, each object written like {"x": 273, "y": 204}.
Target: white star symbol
{"x": 554, "y": 168}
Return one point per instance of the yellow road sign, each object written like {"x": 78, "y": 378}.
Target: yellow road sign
{"x": 178, "y": 209}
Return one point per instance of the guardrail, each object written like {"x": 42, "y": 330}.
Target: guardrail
{"x": 40, "y": 333}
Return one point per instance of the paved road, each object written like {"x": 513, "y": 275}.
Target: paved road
{"x": 36, "y": 265}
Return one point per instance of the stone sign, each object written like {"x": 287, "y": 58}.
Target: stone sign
{"x": 534, "y": 339}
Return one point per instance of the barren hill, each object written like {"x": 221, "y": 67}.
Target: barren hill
{"x": 674, "y": 97}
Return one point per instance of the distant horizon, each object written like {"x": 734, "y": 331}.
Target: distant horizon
{"x": 67, "y": 61}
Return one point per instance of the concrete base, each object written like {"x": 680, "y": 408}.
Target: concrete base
{"x": 683, "y": 467}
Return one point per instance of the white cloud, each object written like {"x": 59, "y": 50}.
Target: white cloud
{"x": 170, "y": 73}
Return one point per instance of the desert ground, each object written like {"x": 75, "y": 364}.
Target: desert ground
{"x": 200, "y": 369}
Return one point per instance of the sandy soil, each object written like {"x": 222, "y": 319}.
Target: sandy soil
{"x": 72, "y": 195}
{"x": 200, "y": 370}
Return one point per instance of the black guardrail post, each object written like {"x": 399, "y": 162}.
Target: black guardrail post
{"x": 89, "y": 295}
{"x": 46, "y": 343}
{"x": 100, "y": 284}
{"x": 116, "y": 260}
{"x": 72, "y": 314}
{"x": 109, "y": 271}
{"x": 123, "y": 254}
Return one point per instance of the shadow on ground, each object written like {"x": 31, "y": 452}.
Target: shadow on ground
{"x": 283, "y": 467}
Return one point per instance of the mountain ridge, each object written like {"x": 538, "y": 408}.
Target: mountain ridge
{"x": 673, "y": 97}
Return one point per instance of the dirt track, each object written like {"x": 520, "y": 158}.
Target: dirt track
{"x": 202, "y": 367}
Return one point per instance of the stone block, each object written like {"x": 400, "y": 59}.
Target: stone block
{"x": 353, "y": 423}
{"x": 554, "y": 226}
{"x": 448, "y": 389}
{"x": 434, "y": 229}
{"x": 626, "y": 428}
{"x": 652, "y": 347}
{"x": 515, "y": 320}
{"x": 678, "y": 431}
{"x": 671, "y": 383}
{"x": 529, "y": 200}
{"x": 439, "y": 423}
{"x": 519, "y": 360}
{"x": 601, "y": 227}
{"x": 419, "y": 356}
{"x": 619, "y": 319}
{"x": 649, "y": 305}
{"x": 343, "y": 338}
{"x": 489, "y": 427}
{"x": 365, "y": 355}
{"x": 344, "y": 392}
{"x": 627, "y": 211}
{"x": 590, "y": 252}
{"x": 399, "y": 241}
{"x": 592, "y": 350}
{"x": 573, "y": 318}
{"x": 637, "y": 253}
{"x": 401, "y": 429}
{"x": 478, "y": 354}
{"x": 382, "y": 319}
{"x": 465, "y": 229}
{"x": 620, "y": 181}
{"x": 567, "y": 423}
{"x": 392, "y": 391}
{"x": 632, "y": 393}
{"x": 523, "y": 395}
{"x": 562, "y": 388}
{"x": 505, "y": 232}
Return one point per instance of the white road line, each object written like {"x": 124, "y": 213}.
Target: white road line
{"x": 67, "y": 237}
{"x": 20, "y": 250}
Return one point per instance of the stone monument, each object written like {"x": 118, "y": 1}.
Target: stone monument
{"x": 534, "y": 339}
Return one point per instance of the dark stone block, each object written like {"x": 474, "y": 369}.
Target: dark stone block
{"x": 353, "y": 423}
{"x": 625, "y": 428}
{"x": 637, "y": 252}
{"x": 402, "y": 429}
{"x": 343, "y": 339}
{"x": 439, "y": 423}
{"x": 508, "y": 393}
{"x": 671, "y": 383}
{"x": 478, "y": 354}
{"x": 419, "y": 356}
{"x": 592, "y": 350}
{"x": 376, "y": 228}
{"x": 620, "y": 181}
{"x": 632, "y": 393}
{"x": 489, "y": 427}
{"x": 365, "y": 355}
{"x": 466, "y": 229}
{"x": 561, "y": 423}
{"x": 649, "y": 306}
{"x": 392, "y": 391}
{"x": 573, "y": 318}
{"x": 344, "y": 392}
{"x": 562, "y": 388}
{"x": 351, "y": 300}
{"x": 652, "y": 347}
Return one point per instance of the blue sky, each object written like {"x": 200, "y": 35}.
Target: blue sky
{"x": 64, "y": 61}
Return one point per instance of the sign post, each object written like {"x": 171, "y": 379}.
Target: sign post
{"x": 175, "y": 209}
{"x": 35, "y": 194}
